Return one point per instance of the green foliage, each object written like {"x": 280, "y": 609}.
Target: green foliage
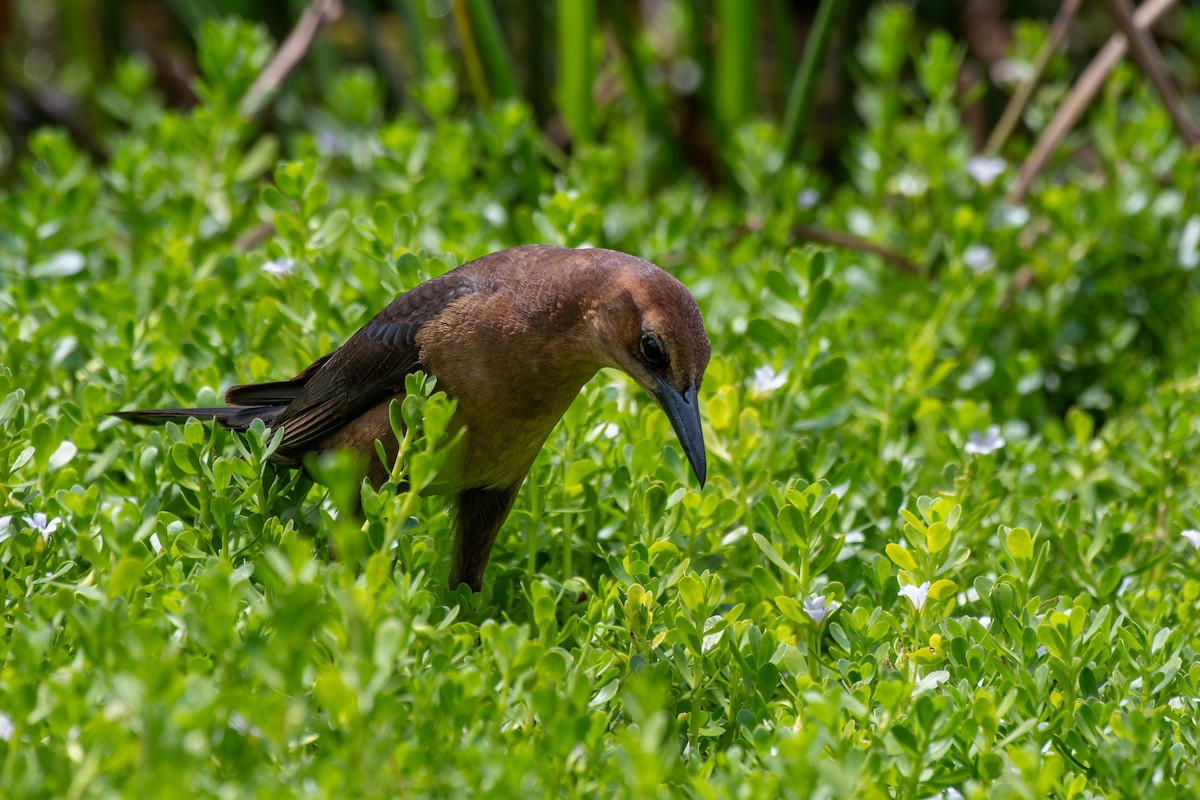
{"x": 942, "y": 549}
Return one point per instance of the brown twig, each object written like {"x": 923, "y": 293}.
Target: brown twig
{"x": 852, "y": 242}
{"x": 834, "y": 239}
{"x": 1080, "y": 97}
{"x": 254, "y": 237}
{"x": 317, "y": 14}
{"x": 1149, "y": 59}
{"x": 1024, "y": 93}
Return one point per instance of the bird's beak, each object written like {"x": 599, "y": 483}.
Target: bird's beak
{"x": 683, "y": 409}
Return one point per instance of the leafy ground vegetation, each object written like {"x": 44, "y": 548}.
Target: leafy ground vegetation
{"x": 948, "y": 547}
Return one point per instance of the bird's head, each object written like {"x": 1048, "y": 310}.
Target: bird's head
{"x": 651, "y": 329}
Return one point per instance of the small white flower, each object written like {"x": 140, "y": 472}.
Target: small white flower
{"x": 817, "y": 608}
{"x": 1041, "y": 651}
{"x": 39, "y": 523}
{"x": 979, "y": 258}
{"x": 6, "y": 727}
{"x": 807, "y": 199}
{"x": 916, "y": 594}
{"x": 986, "y": 622}
{"x": 767, "y": 380}
{"x": 155, "y": 543}
{"x": 1193, "y": 536}
{"x": 952, "y": 794}
{"x": 985, "y": 170}
{"x": 983, "y": 443}
{"x": 280, "y": 267}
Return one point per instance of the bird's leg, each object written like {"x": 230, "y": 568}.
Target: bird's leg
{"x": 478, "y": 517}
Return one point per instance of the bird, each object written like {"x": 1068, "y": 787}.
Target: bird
{"x": 512, "y": 337}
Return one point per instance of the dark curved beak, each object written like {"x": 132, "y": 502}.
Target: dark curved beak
{"x": 683, "y": 409}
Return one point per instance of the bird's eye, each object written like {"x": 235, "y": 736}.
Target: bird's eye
{"x": 652, "y": 351}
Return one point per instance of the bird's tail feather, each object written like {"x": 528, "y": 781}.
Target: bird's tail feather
{"x": 235, "y": 418}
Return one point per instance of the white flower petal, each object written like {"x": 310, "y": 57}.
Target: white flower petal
{"x": 981, "y": 444}
{"x": 280, "y": 267}
{"x": 916, "y": 594}
{"x": 985, "y": 170}
{"x": 41, "y": 524}
{"x": 979, "y": 258}
{"x": 817, "y": 608}
{"x": 767, "y": 380}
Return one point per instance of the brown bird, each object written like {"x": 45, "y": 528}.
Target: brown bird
{"x": 513, "y": 337}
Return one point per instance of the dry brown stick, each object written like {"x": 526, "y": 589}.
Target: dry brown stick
{"x": 316, "y": 14}
{"x": 1149, "y": 59}
{"x": 1080, "y": 97}
{"x": 833, "y": 238}
{"x": 253, "y": 238}
{"x": 1024, "y": 93}
{"x": 849, "y": 240}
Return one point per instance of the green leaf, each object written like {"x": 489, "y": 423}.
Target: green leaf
{"x": 125, "y": 575}
{"x": 901, "y": 557}
{"x": 772, "y": 554}
{"x": 937, "y": 536}
{"x": 914, "y": 521}
{"x": 942, "y": 589}
{"x": 10, "y": 404}
{"x": 260, "y": 158}
{"x": 333, "y": 694}
{"x": 832, "y": 371}
{"x": 1081, "y": 425}
{"x": 791, "y": 609}
{"x": 818, "y": 301}
{"x": 315, "y": 198}
{"x": 332, "y": 229}
{"x": 691, "y": 592}
{"x": 1019, "y": 544}
{"x": 275, "y": 201}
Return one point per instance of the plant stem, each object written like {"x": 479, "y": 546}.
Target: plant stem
{"x": 800, "y": 98}
{"x": 576, "y": 65}
{"x": 734, "y": 61}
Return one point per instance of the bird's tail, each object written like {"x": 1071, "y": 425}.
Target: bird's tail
{"x": 235, "y": 418}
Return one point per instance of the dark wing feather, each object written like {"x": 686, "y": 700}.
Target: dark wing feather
{"x": 275, "y": 392}
{"x": 369, "y": 368}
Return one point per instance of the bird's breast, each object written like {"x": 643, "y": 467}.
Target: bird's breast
{"x": 512, "y": 377}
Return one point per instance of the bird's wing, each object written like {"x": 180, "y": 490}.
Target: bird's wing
{"x": 275, "y": 392}
{"x": 369, "y": 368}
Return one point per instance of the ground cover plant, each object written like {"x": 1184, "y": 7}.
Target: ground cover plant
{"x": 948, "y": 548}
